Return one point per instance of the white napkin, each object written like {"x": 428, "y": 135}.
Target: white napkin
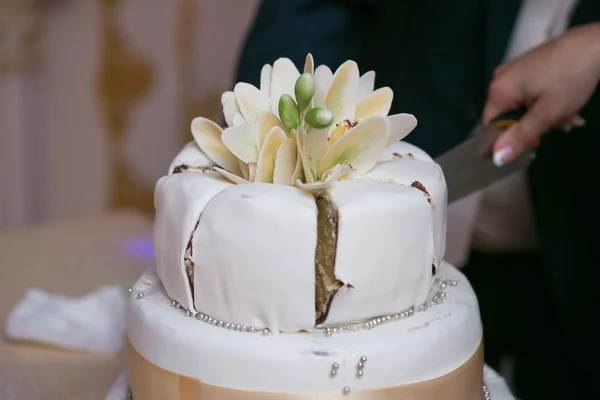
{"x": 94, "y": 322}
{"x": 120, "y": 389}
{"x": 496, "y": 384}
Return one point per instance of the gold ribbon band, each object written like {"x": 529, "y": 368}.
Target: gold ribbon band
{"x": 149, "y": 382}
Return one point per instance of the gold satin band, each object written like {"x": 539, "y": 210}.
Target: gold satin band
{"x": 149, "y": 382}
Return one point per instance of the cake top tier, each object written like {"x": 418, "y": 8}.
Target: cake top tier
{"x": 307, "y": 129}
{"x": 337, "y": 221}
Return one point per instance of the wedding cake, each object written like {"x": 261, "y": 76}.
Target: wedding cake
{"x": 299, "y": 255}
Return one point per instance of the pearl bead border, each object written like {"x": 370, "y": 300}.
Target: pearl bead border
{"x": 486, "y": 393}
{"x": 438, "y": 298}
{"x": 219, "y": 323}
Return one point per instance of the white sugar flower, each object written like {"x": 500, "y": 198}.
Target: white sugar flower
{"x": 307, "y": 130}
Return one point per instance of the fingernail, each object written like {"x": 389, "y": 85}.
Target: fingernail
{"x": 503, "y": 156}
{"x": 578, "y": 122}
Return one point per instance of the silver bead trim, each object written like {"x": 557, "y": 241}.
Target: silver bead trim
{"x": 438, "y": 298}
{"x": 360, "y": 367}
{"x": 486, "y": 393}
{"x": 217, "y": 322}
{"x": 334, "y": 370}
{"x": 140, "y": 295}
{"x": 346, "y": 390}
{"x": 128, "y": 396}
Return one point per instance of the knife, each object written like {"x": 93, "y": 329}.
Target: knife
{"x": 469, "y": 167}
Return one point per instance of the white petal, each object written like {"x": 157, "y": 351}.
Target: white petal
{"x": 283, "y": 80}
{"x": 300, "y": 139}
{"x": 330, "y": 178}
{"x": 309, "y": 64}
{"x": 314, "y": 147}
{"x": 400, "y": 126}
{"x": 238, "y": 119}
{"x": 233, "y": 178}
{"x": 245, "y": 170}
{"x": 265, "y": 121}
{"x": 265, "y": 79}
{"x": 265, "y": 166}
{"x": 285, "y": 162}
{"x": 298, "y": 170}
{"x": 359, "y": 147}
{"x": 251, "y": 171}
{"x": 227, "y": 96}
{"x": 366, "y": 84}
{"x": 340, "y": 97}
{"x": 378, "y": 102}
{"x": 251, "y": 100}
{"x": 319, "y": 98}
{"x": 323, "y": 76}
{"x": 336, "y": 173}
{"x": 230, "y": 108}
{"x": 208, "y": 136}
{"x": 316, "y": 186}
{"x": 239, "y": 140}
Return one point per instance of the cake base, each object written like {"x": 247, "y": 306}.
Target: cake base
{"x": 153, "y": 383}
{"x": 433, "y": 352}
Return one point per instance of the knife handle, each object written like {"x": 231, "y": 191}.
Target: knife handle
{"x": 509, "y": 118}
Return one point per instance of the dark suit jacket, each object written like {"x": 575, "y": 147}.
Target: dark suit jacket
{"x": 438, "y": 56}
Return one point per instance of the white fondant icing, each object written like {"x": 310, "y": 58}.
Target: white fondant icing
{"x": 384, "y": 249}
{"x": 254, "y": 252}
{"x": 405, "y": 171}
{"x": 179, "y": 200}
{"x": 403, "y": 149}
{"x": 422, "y": 347}
{"x": 192, "y": 156}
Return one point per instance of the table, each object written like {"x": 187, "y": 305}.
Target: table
{"x": 71, "y": 258}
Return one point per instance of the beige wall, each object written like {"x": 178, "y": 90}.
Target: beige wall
{"x": 96, "y": 119}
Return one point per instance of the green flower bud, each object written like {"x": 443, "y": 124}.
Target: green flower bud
{"x": 319, "y": 118}
{"x": 289, "y": 112}
{"x": 304, "y": 90}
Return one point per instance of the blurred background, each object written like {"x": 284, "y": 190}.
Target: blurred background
{"x": 96, "y": 98}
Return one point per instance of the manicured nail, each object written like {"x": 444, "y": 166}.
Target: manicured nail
{"x": 503, "y": 156}
{"x": 579, "y": 122}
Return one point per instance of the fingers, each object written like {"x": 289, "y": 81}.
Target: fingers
{"x": 502, "y": 97}
{"x": 526, "y": 133}
{"x": 576, "y": 121}
{"x": 498, "y": 70}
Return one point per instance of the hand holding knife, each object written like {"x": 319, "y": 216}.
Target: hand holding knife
{"x": 470, "y": 166}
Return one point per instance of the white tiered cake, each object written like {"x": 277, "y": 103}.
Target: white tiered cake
{"x": 299, "y": 255}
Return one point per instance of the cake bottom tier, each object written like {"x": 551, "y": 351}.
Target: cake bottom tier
{"x": 431, "y": 351}
{"x": 153, "y": 383}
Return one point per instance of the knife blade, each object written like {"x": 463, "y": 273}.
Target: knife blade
{"x": 469, "y": 167}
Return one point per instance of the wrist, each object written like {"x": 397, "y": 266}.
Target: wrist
{"x": 587, "y": 39}
{"x": 593, "y": 35}
{"x": 595, "y": 42}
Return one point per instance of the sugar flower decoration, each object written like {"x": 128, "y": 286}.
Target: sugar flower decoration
{"x": 307, "y": 130}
